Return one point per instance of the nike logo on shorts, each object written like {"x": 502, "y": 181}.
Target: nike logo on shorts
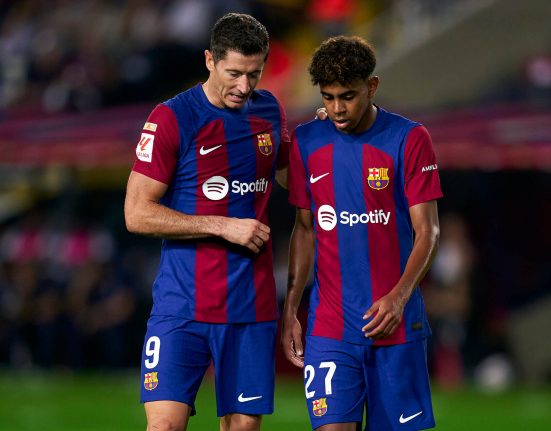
{"x": 204, "y": 151}
{"x": 403, "y": 420}
{"x": 243, "y": 399}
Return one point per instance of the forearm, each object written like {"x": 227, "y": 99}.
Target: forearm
{"x": 156, "y": 220}
{"x": 420, "y": 259}
{"x": 301, "y": 257}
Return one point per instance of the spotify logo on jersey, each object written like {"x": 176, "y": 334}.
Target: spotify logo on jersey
{"x": 327, "y": 217}
{"x": 216, "y": 188}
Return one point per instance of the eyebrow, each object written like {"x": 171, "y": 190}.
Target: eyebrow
{"x": 240, "y": 71}
{"x": 346, "y": 93}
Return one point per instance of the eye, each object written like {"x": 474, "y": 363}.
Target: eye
{"x": 235, "y": 74}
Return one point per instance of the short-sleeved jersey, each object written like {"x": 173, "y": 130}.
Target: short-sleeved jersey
{"x": 215, "y": 162}
{"x": 359, "y": 188}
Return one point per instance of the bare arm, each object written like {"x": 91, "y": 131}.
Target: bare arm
{"x": 388, "y": 311}
{"x": 301, "y": 258}
{"x": 281, "y": 177}
{"x": 146, "y": 216}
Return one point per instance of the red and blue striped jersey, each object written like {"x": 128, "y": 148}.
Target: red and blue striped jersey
{"x": 215, "y": 162}
{"x": 359, "y": 188}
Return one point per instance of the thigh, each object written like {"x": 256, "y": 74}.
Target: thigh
{"x": 398, "y": 388}
{"x": 333, "y": 382}
{"x": 175, "y": 358}
{"x": 244, "y": 364}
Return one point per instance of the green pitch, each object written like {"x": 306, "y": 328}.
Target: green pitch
{"x": 109, "y": 402}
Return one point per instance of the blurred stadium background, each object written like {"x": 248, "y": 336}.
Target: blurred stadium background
{"x": 77, "y": 80}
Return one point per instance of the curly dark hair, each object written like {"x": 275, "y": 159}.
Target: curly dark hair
{"x": 238, "y": 32}
{"x": 342, "y": 59}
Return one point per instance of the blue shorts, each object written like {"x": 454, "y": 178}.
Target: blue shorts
{"x": 390, "y": 382}
{"x": 178, "y": 352}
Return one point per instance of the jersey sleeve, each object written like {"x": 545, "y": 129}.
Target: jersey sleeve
{"x": 421, "y": 179}
{"x": 158, "y": 147}
{"x": 298, "y": 194}
{"x": 283, "y": 155}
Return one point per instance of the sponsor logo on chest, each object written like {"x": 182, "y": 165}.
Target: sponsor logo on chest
{"x": 217, "y": 187}
{"x": 328, "y": 219}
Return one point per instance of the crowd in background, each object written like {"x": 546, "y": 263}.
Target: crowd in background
{"x": 75, "y": 286}
{"x": 81, "y": 55}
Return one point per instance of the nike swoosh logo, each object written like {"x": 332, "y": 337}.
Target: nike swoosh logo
{"x": 204, "y": 151}
{"x": 243, "y": 399}
{"x": 314, "y": 179}
{"x": 403, "y": 420}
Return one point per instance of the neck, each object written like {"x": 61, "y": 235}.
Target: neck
{"x": 367, "y": 121}
{"x": 211, "y": 95}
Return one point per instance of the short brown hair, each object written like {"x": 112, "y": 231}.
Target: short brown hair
{"x": 342, "y": 59}
{"x": 238, "y": 32}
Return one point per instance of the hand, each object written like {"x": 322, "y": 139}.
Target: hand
{"x": 247, "y": 232}
{"x": 386, "y": 315}
{"x": 321, "y": 114}
{"x": 291, "y": 341}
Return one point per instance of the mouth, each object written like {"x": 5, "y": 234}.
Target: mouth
{"x": 341, "y": 123}
{"x": 238, "y": 98}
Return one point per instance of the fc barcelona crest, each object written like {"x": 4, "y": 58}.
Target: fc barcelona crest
{"x": 378, "y": 178}
{"x": 150, "y": 381}
{"x": 265, "y": 143}
{"x": 319, "y": 407}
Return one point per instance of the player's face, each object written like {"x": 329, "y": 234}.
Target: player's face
{"x": 350, "y": 106}
{"x": 233, "y": 78}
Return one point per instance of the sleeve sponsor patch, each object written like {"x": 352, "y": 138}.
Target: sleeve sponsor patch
{"x": 152, "y": 127}
{"x": 144, "y": 150}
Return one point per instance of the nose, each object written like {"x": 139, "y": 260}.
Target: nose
{"x": 244, "y": 84}
{"x": 339, "y": 107}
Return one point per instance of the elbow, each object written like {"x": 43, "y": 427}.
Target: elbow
{"x": 132, "y": 221}
{"x": 131, "y": 224}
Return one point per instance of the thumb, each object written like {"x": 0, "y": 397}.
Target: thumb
{"x": 299, "y": 349}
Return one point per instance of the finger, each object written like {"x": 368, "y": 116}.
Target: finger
{"x": 372, "y": 310}
{"x": 379, "y": 331}
{"x": 292, "y": 356}
{"x": 263, "y": 227}
{"x": 299, "y": 362}
{"x": 321, "y": 113}
{"x": 253, "y": 247}
{"x": 257, "y": 241}
{"x": 263, "y": 236}
{"x": 373, "y": 323}
{"x": 299, "y": 349}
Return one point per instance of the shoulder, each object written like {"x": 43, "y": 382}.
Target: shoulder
{"x": 312, "y": 128}
{"x": 263, "y": 95}
{"x": 185, "y": 98}
{"x": 394, "y": 120}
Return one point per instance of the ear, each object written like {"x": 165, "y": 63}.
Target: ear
{"x": 209, "y": 60}
{"x": 372, "y": 85}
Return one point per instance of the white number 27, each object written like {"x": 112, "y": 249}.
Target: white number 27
{"x": 310, "y": 372}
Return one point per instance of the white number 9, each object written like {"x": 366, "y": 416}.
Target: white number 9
{"x": 152, "y": 348}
